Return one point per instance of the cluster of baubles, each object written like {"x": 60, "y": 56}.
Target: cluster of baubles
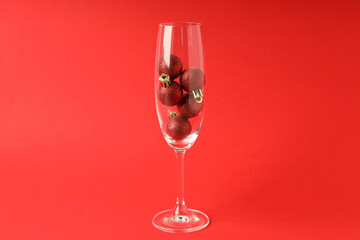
{"x": 186, "y": 94}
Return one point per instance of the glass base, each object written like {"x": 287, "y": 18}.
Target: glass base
{"x": 192, "y": 221}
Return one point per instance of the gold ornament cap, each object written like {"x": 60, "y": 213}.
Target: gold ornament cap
{"x": 198, "y": 95}
{"x": 173, "y": 114}
{"x": 164, "y": 80}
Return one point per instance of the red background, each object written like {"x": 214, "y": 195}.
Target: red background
{"x": 81, "y": 152}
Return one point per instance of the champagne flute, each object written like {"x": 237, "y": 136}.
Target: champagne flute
{"x": 179, "y": 98}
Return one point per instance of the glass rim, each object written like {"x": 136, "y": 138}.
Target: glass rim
{"x": 173, "y": 24}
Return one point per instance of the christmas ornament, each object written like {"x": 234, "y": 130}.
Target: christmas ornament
{"x": 170, "y": 92}
{"x": 170, "y": 65}
{"x": 190, "y": 105}
{"x": 191, "y": 79}
{"x": 178, "y": 126}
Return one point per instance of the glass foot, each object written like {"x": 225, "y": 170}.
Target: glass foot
{"x": 192, "y": 221}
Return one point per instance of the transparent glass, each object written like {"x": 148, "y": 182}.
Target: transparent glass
{"x": 180, "y": 98}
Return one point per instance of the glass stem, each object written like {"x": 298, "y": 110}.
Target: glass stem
{"x": 180, "y": 208}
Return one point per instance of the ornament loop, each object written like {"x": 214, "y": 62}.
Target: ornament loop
{"x": 164, "y": 80}
{"x": 199, "y": 100}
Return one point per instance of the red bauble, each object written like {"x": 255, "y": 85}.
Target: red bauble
{"x": 170, "y": 95}
{"x": 189, "y": 107}
{"x": 191, "y": 79}
{"x": 178, "y": 127}
{"x": 170, "y": 65}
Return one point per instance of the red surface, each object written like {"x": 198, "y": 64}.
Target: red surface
{"x": 81, "y": 153}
